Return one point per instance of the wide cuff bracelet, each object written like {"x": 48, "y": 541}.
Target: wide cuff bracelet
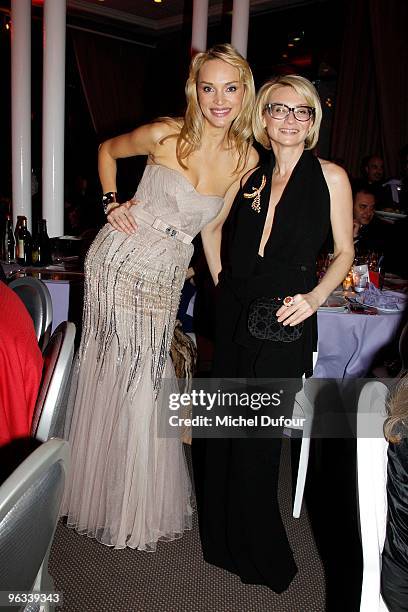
{"x": 108, "y": 198}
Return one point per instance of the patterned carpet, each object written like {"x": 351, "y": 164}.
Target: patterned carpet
{"x": 95, "y": 578}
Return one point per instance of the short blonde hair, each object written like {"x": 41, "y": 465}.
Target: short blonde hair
{"x": 304, "y": 88}
{"x": 240, "y": 132}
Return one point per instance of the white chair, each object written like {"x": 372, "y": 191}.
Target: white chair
{"x": 49, "y": 412}
{"x": 30, "y": 501}
{"x": 372, "y": 493}
{"x": 303, "y": 409}
{"x": 37, "y": 299}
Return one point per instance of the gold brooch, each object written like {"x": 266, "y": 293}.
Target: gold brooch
{"x": 256, "y": 195}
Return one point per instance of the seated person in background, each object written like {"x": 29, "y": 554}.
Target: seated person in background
{"x": 370, "y": 234}
{"x": 394, "y": 574}
{"x": 21, "y": 366}
{"x": 372, "y": 170}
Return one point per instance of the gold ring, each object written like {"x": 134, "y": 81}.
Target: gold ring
{"x": 288, "y": 301}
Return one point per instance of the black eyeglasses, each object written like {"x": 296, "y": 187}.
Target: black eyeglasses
{"x": 281, "y": 111}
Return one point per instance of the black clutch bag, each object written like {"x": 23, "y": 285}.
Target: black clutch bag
{"x": 263, "y": 324}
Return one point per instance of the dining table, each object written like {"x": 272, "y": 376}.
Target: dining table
{"x": 348, "y": 343}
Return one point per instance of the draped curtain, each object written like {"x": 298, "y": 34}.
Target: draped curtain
{"x": 114, "y": 76}
{"x": 371, "y": 105}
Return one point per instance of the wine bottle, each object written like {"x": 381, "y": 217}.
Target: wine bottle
{"x": 41, "y": 250}
{"x": 23, "y": 242}
{"x": 9, "y": 243}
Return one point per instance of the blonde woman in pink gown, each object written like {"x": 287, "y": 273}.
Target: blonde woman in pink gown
{"x": 128, "y": 486}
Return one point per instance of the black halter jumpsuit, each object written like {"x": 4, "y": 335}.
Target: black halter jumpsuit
{"x": 236, "y": 479}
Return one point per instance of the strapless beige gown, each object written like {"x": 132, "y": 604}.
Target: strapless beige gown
{"x": 126, "y": 485}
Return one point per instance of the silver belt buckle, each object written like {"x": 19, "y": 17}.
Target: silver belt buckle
{"x": 170, "y": 231}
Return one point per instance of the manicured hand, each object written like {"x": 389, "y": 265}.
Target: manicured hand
{"x": 122, "y": 219}
{"x": 304, "y": 305}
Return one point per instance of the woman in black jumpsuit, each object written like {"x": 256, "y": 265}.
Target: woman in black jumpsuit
{"x": 278, "y": 222}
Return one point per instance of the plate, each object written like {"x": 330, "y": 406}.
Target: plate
{"x": 334, "y": 303}
{"x": 332, "y": 309}
{"x": 387, "y": 214}
{"x": 384, "y": 310}
{"x": 335, "y": 300}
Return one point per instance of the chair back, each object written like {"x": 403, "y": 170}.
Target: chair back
{"x": 49, "y": 411}
{"x": 30, "y": 501}
{"x": 302, "y": 419}
{"x": 37, "y": 299}
{"x": 372, "y": 489}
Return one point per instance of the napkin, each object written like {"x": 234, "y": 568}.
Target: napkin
{"x": 389, "y": 300}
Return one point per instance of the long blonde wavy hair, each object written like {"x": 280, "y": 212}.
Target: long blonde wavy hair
{"x": 240, "y": 131}
{"x": 304, "y": 88}
{"x": 396, "y": 424}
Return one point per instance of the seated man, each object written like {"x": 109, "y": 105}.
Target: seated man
{"x": 370, "y": 234}
{"x": 21, "y": 366}
{"x": 372, "y": 177}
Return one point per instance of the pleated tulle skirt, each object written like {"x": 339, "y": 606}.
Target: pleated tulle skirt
{"x": 127, "y": 486}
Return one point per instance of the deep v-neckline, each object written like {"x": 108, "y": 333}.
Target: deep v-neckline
{"x": 278, "y": 203}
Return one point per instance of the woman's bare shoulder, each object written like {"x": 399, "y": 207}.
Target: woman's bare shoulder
{"x": 253, "y": 158}
{"x": 333, "y": 173}
{"x": 162, "y": 127}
